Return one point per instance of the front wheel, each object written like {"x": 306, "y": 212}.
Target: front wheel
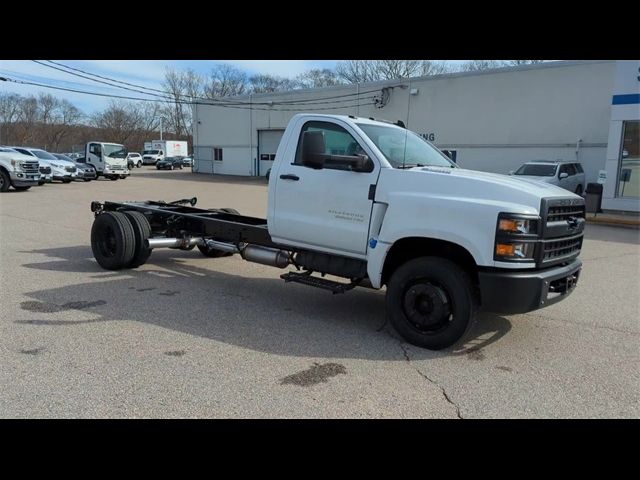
{"x": 66, "y": 180}
{"x": 139, "y": 164}
{"x": 430, "y": 302}
{"x": 113, "y": 178}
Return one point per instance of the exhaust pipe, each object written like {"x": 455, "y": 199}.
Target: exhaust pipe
{"x": 266, "y": 256}
{"x": 250, "y": 253}
{"x": 173, "y": 242}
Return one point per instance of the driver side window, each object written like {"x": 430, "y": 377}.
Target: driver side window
{"x": 337, "y": 141}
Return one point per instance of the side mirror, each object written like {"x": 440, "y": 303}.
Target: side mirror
{"x": 563, "y": 175}
{"x": 313, "y": 148}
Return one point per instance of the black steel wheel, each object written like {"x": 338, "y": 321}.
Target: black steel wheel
{"x": 112, "y": 240}
{"x": 430, "y": 302}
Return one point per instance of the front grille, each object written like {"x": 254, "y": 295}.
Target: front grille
{"x": 45, "y": 170}
{"x": 30, "y": 167}
{"x": 116, "y": 167}
{"x": 70, "y": 169}
{"x": 559, "y": 249}
{"x": 563, "y": 213}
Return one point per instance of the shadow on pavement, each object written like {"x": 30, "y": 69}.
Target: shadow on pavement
{"x": 262, "y": 314}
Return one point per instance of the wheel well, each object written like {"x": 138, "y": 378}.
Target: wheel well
{"x": 4, "y": 169}
{"x": 413, "y": 247}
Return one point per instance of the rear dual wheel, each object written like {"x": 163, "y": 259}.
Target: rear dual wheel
{"x": 118, "y": 239}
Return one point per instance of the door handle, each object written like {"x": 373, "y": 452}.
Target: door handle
{"x": 290, "y": 176}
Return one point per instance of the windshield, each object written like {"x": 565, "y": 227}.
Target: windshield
{"x": 44, "y": 155}
{"x": 151, "y": 152}
{"x": 60, "y": 156}
{"x": 537, "y": 170}
{"x": 404, "y": 149}
{"x": 114, "y": 151}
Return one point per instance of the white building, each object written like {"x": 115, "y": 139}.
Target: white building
{"x": 492, "y": 120}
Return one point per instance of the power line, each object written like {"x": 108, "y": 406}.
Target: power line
{"x": 237, "y": 102}
{"x": 245, "y": 107}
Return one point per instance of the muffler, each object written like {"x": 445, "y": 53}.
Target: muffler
{"x": 265, "y": 256}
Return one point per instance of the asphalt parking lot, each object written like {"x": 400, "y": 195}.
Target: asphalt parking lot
{"x": 189, "y": 336}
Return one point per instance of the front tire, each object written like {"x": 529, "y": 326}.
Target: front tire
{"x": 430, "y": 302}
{"x": 66, "y": 180}
{"x": 139, "y": 164}
{"x": 113, "y": 240}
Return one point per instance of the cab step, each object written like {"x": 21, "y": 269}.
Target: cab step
{"x": 318, "y": 282}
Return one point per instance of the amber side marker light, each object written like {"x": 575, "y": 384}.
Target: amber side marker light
{"x": 505, "y": 250}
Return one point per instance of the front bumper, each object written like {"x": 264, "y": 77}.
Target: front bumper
{"x": 511, "y": 292}
{"x": 21, "y": 179}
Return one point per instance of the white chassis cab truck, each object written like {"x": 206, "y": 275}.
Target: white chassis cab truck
{"x": 108, "y": 159}
{"x": 373, "y": 204}
{"x": 18, "y": 170}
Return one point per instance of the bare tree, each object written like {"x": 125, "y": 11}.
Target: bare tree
{"x": 182, "y": 87}
{"x": 359, "y": 71}
{"x": 522, "y": 62}
{"x": 263, "y": 83}
{"x": 226, "y": 81}
{"x": 318, "y": 78}
{"x": 474, "y": 65}
{"x": 120, "y": 120}
{"x": 65, "y": 118}
{"x": 10, "y": 105}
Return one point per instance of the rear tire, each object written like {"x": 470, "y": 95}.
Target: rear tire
{"x": 113, "y": 240}
{"x": 141, "y": 232}
{"x": 430, "y": 302}
{"x": 113, "y": 178}
{"x": 5, "y": 181}
{"x": 212, "y": 252}
{"x": 66, "y": 180}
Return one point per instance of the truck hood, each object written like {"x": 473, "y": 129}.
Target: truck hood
{"x": 505, "y": 192}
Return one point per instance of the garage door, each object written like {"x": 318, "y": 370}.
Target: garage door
{"x": 268, "y": 141}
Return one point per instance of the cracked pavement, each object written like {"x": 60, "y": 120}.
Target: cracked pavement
{"x": 189, "y": 336}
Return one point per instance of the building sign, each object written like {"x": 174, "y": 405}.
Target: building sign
{"x": 602, "y": 177}
{"x": 431, "y": 137}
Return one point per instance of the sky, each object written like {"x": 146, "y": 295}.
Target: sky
{"x": 148, "y": 73}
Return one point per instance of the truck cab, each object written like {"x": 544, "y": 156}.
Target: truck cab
{"x": 152, "y": 156}
{"x": 108, "y": 159}
{"x": 373, "y": 203}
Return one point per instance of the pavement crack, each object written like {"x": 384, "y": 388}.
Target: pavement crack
{"x": 423, "y": 375}
{"x": 588, "y": 325}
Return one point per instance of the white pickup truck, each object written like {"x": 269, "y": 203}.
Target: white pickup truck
{"x": 18, "y": 170}
{"x": 377, "y": 205}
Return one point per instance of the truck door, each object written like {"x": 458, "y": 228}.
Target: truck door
{"x": 328, "y": 207}
{"x": 94, "y": 156}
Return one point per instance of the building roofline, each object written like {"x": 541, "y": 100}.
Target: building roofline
{"x": 400, "y": 81}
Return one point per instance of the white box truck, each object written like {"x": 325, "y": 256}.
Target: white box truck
{"x": 161, "y": 149}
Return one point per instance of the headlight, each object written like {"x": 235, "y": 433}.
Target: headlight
{"x": 516, "y": 237}
{"x": 517, "y": 226}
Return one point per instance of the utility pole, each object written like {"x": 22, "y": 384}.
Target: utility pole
{"x": 160, "y": 128}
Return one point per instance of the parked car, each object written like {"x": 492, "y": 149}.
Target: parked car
{"x": 17, "y": 170}
{"x": 169, "y": 163}
{"x": 568, "y": 175}
{"x": 187, "y": 161}
{"x": 134, "y": 159}
{"x": 85, "y": 172}
{"x": 62, "y": 170}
